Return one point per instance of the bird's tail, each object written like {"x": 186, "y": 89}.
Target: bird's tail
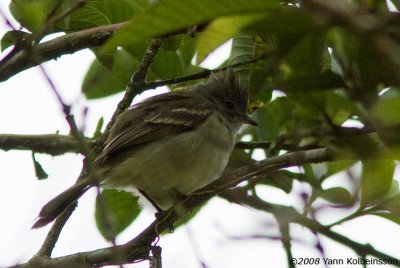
{"x": 57, "y": 205}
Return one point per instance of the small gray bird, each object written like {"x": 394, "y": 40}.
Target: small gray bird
{"x": 167, "y": 146}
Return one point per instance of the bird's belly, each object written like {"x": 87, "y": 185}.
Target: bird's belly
{"x": 182, "y": 164}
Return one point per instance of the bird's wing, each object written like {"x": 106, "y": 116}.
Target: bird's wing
{"x": 153, "y": 119}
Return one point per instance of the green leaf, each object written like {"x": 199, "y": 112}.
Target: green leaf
{"x": 376, "y": 179}
{"x": 11, "y": 38}
{"x": 326, "y": 80}
{"x": 96, "y": 13}
{"x": 238, "y": 159}
{"x": 101, "y": 81}
{"x": 338, "y": 107}
{"x": 167, "y": 64}
{"x": 97, "y": 132}
{"x": 110, "y": 73}
{"x": 31, "y": 13}
{"x": 171, "y": 43}
{"x": 39, "y": 171}
{"x": 359, "y": 146}
{"x": 187, "y": 51}
{"x": 387, "y": 111}
{"x": 220, "y": 30}
{"x": 336, "y": 195}
{"x": 242, "y": 49}
{"x": 115, "y": 210}
{"x": 245, "y": 47}
{"x": 171, "y": 15}
{"x": 284, "y": 28}
{"x": 338, "y": 166}
{"x": 267, "y": 129}
{"x": 282, "y": 179}
{"x": 305, "y": 57}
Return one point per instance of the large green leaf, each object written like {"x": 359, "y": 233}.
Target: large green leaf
{"x": 32, "y": 14}
{"x": 306, "y": 57}
{"x": 336, "y": 195}
{"x": 109, "y": 74}
{"x": 305, "y": 82}
{"x": 115, "y": 210}
{"x": 101, "y": 81}
{"x": 12, "y": 37}
{"x": 267, "y": 129}
{"x": 245, "y": 47}
{"x": 221, "y": 29}
{"x": 387, "y": 110}
{"x": 281, "y": 179}
{"x": 171, "y": 15}
{"x": 338, "y": 166}
{"x": 285, "y": 28}
{"x": 376, "y": 179}
{"x": 96, "y": 13}
{"x": 187, "y": 51}
{"x": 167, "y": 64}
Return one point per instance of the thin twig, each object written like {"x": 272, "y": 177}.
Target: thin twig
{"x": 55, "y": 230}
{"x": 286, "y": 241}
{"x": 204, "y": 73}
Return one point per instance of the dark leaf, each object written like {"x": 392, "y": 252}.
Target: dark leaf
{"x": 174, "y": 15}
{"x": 11, "y": 38}
{"x": 39, "y": 171}
{"x": 115, "y": 210}
{"x": 376, "y": 180}
{"x": 336, "y": 195}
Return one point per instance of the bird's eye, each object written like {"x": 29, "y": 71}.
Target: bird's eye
{"x": 230, "y": 105}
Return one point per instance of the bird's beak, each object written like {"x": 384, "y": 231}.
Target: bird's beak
{"x": 245, "y": 119}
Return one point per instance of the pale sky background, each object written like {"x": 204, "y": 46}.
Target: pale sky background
{"x": 28, "y": 106}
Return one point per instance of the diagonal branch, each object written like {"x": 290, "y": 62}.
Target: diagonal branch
{"x": 66, "y": 44}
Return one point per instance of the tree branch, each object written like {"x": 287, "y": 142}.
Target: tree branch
{"x": 52, "y": 144}
{"x": 56, "y": 144}
{"x": 66, "y": 44}
{"x": 205, "y": 73}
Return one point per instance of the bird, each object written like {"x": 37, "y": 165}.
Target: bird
{"x": 166, "y": 146}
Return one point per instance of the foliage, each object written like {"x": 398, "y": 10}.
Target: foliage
{"x": 328, "y": 76}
